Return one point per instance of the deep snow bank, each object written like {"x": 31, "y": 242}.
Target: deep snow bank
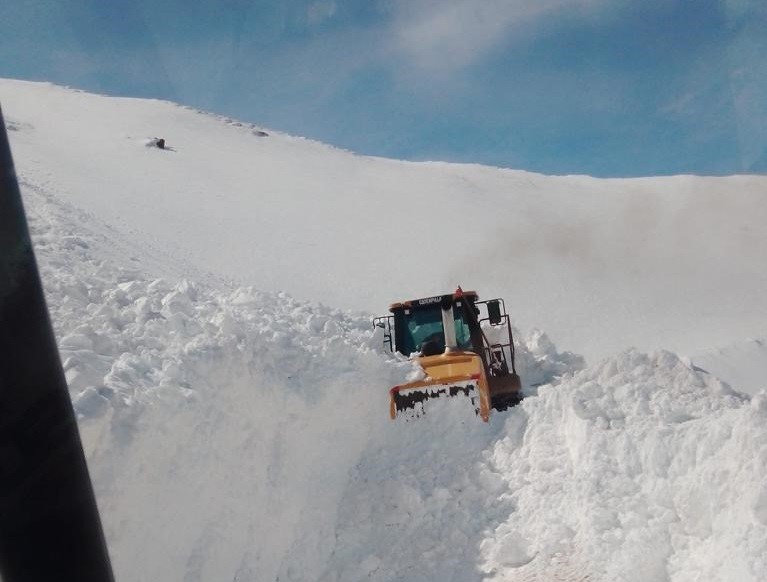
{"x": 639, "y": 468}
{"x": 219, "y": 424}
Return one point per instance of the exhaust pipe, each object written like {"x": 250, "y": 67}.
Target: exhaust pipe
{"x": 448, "y": 324}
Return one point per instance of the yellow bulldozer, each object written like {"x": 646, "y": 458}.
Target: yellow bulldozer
{"x": 465, "y": 347}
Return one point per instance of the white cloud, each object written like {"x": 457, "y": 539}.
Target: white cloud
{"x": 444, "y": 35}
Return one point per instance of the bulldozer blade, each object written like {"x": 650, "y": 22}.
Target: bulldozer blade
{"x": 410, "y": 403}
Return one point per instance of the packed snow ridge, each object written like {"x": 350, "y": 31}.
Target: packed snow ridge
{"x": 240, "y": 434}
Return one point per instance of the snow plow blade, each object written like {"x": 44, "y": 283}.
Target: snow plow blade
{"x": 448, "y": 375}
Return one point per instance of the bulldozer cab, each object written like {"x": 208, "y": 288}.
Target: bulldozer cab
{"x": 420, "y": 328}
{"x": 420, "y": 323}
{"x": 442, "y": 331}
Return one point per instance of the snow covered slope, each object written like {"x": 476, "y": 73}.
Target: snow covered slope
{"x": 237, "y": 433}
{"x": 599, "y": 264}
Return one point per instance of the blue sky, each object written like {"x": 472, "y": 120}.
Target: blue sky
{"x": 601, "y": 87}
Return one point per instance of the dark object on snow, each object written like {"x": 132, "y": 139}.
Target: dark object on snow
{"x": 49, "y": 523}
{"x": 260, "y": 133}
{"x": 157, "y": 142}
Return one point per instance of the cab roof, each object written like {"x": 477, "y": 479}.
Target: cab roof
{"x": 435, "y": 299}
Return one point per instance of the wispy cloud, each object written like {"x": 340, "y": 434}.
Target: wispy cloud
{"x": 447, "y": 35}
{"x": 320, "y": 11}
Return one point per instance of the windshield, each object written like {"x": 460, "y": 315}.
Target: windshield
{"x": 422, "y": 325}
{"x": 425, "y": 324}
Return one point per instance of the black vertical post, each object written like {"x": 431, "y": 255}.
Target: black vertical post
{"x": 49, "y": 523}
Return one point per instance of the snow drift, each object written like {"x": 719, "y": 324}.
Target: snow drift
{"x": 644, "y": 466}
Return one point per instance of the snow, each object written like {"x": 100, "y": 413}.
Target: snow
{"x": 665, "y": 465}
{"x": 235, "y": 411}
{"x": 742, "y": 364}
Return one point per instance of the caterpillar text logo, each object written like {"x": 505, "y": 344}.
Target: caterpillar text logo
{"x": 430, "y": 300}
